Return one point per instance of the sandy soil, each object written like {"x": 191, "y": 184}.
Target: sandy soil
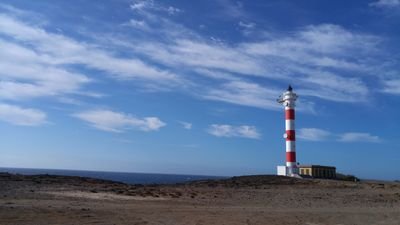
{"x": 251, "y": 200}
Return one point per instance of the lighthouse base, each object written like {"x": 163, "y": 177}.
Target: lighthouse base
{"x": 287, "y": 171}
{"x": 281, "y": 170}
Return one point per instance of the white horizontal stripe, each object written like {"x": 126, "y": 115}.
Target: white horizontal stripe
{"x": 290, "y": 146}
{"x": 290, "y": 164}
{"x": 289, "y": 124}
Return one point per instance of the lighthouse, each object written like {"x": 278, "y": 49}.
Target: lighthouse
{"x": 288, "y": 99}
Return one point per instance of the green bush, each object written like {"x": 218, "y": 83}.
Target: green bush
{"x": 347, "y": 177}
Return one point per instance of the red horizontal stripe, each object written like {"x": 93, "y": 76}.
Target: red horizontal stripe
{"x": 290, "y": 135}
{"x": 290, "y": 156}
{"x": 289, "y": 114}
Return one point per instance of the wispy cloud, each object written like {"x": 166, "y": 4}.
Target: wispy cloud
{"x": 359, "y": 137}
{"x": 202, "y": 54}
{"x": 27, "y": 74}
{"x": 392, "y": 86}
{"x": 386, "y": 4}
{"x": 46, "y": 60}
{"x": 173, "y": 10}
{"x": 143, "y": 5}
{"x": 245, "y": 93}
{"x": 224, "y": 130}
{"x": 325, "y": 61}
{"x": 231, "y": 9}
{"x": 319, "y": 55}
{"x": 247, "y": 28}
{"x": 247, "y": 25}
{"x": 248, "y": 93}
{"x": 138, "y": 24}
{"x": 21, "y": 116}
{"x": 313, "y": 134}
{"x": 186, "y": 125}
{"x": 107, "y": 120}
{"x": 316, "y": 134}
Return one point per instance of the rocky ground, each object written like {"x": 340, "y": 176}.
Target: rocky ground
{"x": 49, "y": 200}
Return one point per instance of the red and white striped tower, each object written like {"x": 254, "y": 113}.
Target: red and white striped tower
{"x": 288, "y": 100}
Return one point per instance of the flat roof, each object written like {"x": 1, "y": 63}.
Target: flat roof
{"x": 316, "y": 166}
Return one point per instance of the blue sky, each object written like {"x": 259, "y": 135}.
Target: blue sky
{"x": 190, "y": 87}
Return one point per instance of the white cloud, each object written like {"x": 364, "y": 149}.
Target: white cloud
{"x": 201, "y": 54}
{"x": 38, "y": 63}
{"x": 332, "y": 87}
{"x": 231, "y": 9}
{"x": 215, "y": 74}
{"x": 140, "y": 5}
{"x": 27, "y": 74}
{"x": 21, "y": 116}
{"x": 186, "y": 125}
{"x": 313, "y": 134}
{"x": 247, "y": 25}
{"x": 107, "y": 120}
{"x": 143, "y": 5}
{"x": 247, "y": 28}
{"x": 172, "y": 10}
{"x": 392, "y": 86}
{"x": 385, "y": 3}
{"x": 138, "y": 24}
{"x": 322, "y": 56}
{"x": 244, "y": 131}
{"x": 316, "y": 134}
{"x": 324, "y": 45}
{"x": 325, "y": 61}
{"x": 359, "y": 137}
{"x": 251, "y": 94}
{"x": 245, "y": 93}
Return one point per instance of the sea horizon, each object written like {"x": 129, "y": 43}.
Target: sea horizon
{"x": 125, "y": 177}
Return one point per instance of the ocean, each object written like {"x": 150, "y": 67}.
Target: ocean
{"x": 129, "y": 178}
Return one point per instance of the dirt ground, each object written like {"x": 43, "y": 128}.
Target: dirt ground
{"x": 49, "y": 200}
